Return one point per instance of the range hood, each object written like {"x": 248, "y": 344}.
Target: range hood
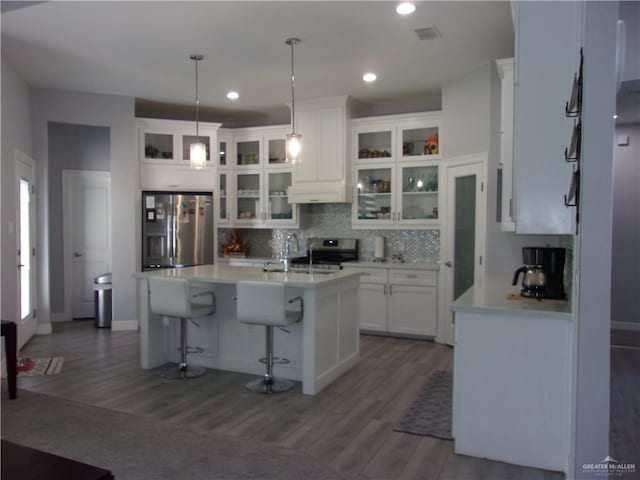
{"x": 320, "y": 192}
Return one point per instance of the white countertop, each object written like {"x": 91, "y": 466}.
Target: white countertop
{"x": 399, "y": 265}
{"x": 492, "y": 296}
{"x": 223, "y": 273}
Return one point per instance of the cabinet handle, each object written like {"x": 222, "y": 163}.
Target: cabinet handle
{"x": 411, "y": 276}
{"x": 173, "y": 185}
{"x": 384, "y": 290}
{"x": 390, "y": 290}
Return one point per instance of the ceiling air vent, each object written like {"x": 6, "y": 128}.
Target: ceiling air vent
{"x": 428, "y": 33}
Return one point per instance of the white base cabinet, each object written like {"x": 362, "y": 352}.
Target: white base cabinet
{"x": 398, "y": 301}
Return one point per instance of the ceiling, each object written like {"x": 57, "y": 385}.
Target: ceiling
{"x": 141, "y": 49}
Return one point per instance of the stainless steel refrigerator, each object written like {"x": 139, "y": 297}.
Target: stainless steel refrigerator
{"x": 177, "y": 229}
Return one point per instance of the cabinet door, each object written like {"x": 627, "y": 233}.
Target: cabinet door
{"x": 412, "y": 310}
{"x": 505, "y": 69}
{"x": 309, "y": 125}
{"x": 279, "y": 210}
{"x": 222, "y": 211}
{"x": 158, "y": 146}
{"x": 543, "y": 73}
{"x": 419, "y": 141}
{"x": 374, "y": 143}
{"x": 375, "y": 204}
{"x": 373, "y": 307}
{"x": 419, "y": 198}
{"x": 248, "y": 208}
{"x": 204, "y": 137}
{"x": 332, "y": 145}
{"x": 247, "y": 150}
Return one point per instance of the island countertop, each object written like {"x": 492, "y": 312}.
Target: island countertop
{"x": 224, "y": 273}
{"x": 495, "y": 294}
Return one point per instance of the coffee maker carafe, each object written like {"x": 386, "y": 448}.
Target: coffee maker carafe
{"x": 545, "y": 261}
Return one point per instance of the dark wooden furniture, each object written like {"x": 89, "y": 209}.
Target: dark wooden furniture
{"x": 10, "y": 334}
{"x": 24, "y": 463}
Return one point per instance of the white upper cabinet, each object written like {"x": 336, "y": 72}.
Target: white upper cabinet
{"x": 164, "y": 149}
{"x": 322, "y": 175}
{"x": 396, "y": 171}
{"x": 548, "y": 38}
{"x": 256, "y": 178}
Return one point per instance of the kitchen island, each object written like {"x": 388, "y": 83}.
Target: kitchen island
{"x": 320, "y": 348}
{"x": 513, "y": 376}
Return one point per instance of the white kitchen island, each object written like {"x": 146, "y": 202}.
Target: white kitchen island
{"x": 513, "y": 376}
{"x": 320, "y": 348}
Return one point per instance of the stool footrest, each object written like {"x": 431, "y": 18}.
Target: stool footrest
{"x": 276, "y": 360}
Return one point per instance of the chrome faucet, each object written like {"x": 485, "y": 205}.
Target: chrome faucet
{"x": 286, "y": 258}
{"x": 311, "y": 247}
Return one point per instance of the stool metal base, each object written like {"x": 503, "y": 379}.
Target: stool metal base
{"x": 176, "y": 371}
{"x": 269, "y": 385}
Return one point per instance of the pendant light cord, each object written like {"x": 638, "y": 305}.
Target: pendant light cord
{"x": 197, "y": 105}
{"x": 293, "y": 95}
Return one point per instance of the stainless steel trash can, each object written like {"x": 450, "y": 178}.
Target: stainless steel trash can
{"x": 102, "y": 299}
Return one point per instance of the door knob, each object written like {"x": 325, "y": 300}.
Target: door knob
{"x": 448, "y": 264}
{"x": 76, "y": 254}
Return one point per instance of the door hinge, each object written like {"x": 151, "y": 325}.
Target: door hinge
{"x": 34, "y": 313}
{"x": 33, "y": 189}
{"x": 33, "y": 251}
{"x": 482, "y": 186}
{"x": 480, "y": 259}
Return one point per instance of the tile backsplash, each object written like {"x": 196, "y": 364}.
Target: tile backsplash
{"x": 334, "y": 220}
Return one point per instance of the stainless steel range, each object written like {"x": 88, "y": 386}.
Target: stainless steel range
{"x": 327, "y": 253}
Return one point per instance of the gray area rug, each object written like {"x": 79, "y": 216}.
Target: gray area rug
{"x": 430, "y": 412}
{"x": 135, "y": 448}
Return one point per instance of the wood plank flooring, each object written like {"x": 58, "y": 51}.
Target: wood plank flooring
{"x": 349, "y": 425}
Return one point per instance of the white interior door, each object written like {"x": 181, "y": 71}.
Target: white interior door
{"x": 463, "y": 242}
{"x": 87, "y": 237}
{"x": 26, "y": 242}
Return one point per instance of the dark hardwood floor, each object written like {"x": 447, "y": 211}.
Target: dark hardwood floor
{"x": 624, "y": 418}
{"x": 348, "y": 426}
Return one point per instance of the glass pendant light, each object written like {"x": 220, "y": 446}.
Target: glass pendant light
{"x": 293, "y": 139}
{"x": 198, "y": 150}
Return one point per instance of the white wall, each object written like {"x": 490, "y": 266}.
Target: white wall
{"x": 71, "y": 147}
{"x": 471, "y": 124}
{"x": 592, "y": 290}
{"x": 625, "y": 262}
{"x": 116, "y": 113}
{"x": 16, "y": 133}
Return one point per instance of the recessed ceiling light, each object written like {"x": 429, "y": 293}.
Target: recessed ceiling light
{"x": 233, "y": 95}
{"x": 615, "y": 116}
{"x": 405, "y": 8}
{"x": 369, "y": 77}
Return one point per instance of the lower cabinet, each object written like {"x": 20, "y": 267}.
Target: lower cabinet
{"x": 398, "y": 301}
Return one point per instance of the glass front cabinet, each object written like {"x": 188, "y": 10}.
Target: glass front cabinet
{"x": 166, "y": 142}
{"x": 397, "y": 171}
{"x": 222, "y": 212}
{"x": 261, "y": 199}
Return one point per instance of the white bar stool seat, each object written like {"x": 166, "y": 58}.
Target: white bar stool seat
{"x": 266, "y": 304}
{"x": 177, "y": 297}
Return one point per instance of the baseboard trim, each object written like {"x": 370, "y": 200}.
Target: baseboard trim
{"x": 122, "y": 325}
{"x": 635, "y": 326}
{"x": 44, "y": 329}
{"x": 58, "y": 317}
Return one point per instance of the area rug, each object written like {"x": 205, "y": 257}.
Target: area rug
{"x": 31, "y": 367}
{"x": 430, "y": 412}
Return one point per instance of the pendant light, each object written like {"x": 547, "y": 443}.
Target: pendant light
{"x": 198, "y": 150}
{"x": 293, "y": 139}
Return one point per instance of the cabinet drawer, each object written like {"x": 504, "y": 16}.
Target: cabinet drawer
{"x": 371, "y": 275}
{"x": 413, "y": 277}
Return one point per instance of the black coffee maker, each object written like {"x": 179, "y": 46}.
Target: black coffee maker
{"x": 551, "y": 260}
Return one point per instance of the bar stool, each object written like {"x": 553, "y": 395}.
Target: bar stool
{"x": 176, "y": 297}
{"x": 10, "y": 334}
{"x": 266, "y": 304}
